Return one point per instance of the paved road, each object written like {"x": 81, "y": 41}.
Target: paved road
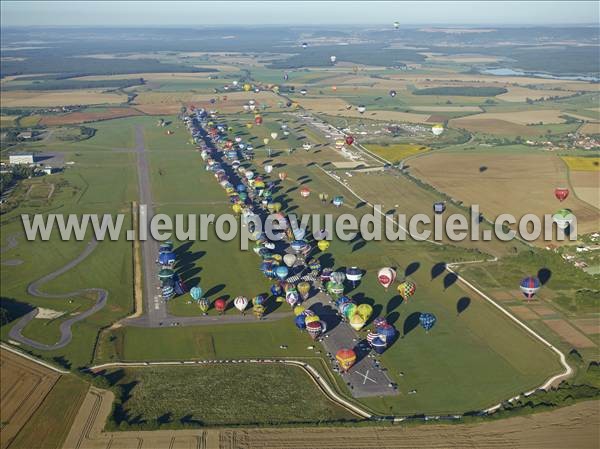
{"x": 65, "y": 327}
{"x": 366, "y": 377}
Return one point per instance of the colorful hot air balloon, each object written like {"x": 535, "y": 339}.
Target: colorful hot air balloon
{"x": 378, "y": 344}
{"x": 196, "y": 293}
{"x": 240, "y": 303}
{"x": 338, "y": 200}
{"x": 299, "y": 321}
{"x": 406, "y": 289}
{"x": 220, "y": 305}
{"x": 529, "y": 286}
{"x": 258, "y": 310}
{"x": 349, "y": 140}
{"x": 345, "y": 358}
{"x": 314, "y": 328}
{"x": 323, "y": 245}
{"x": 439, "y": 207}
{"x": 304, "y": 192}
{"x": 282, "y": 175}
{"x": 354, "y": 275}
{"x": 304, "y": 290}
{"x": 437, "y": 130}
{"x": 357, "y": 322}
{"x": 323, "y": 197}
{"x": 561, "y": 193}
{"x": 386, "y": 276}
{"x": 289, "y": 259}
{"x": 427, "y": 321}
{"x": 247, "y": 87}
{"x": 258, "y": 120}
{"x": 563, "y": 218}
{"x": 204, "y": 305}
{"x": 338, "y": 277}
{"x": 281, "y": 272}
{"x": 365, "y": 311}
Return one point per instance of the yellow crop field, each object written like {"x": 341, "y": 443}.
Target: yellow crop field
{"x": 398, "y": 152}
{"x": 579, "y": 163}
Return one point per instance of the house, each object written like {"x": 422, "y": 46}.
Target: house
{"x": 25, "y": 135}
{"x": 19, "y": 159}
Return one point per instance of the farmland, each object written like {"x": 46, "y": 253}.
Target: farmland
{"x": 476, "y": 356}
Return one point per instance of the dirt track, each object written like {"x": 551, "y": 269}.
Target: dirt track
{"x": 574, "y": 427}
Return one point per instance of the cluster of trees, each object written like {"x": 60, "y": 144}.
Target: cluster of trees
{"x": 18, "y": 172}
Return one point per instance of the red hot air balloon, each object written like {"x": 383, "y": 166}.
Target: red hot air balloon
{"x": 258, "y": 119}
{"x": 220, "y": 305}
{"x": 229, "y": 144}
{"x": 561, "y": 193}
{"x": 346, "y": 358}
{"x": 349, "y": 140}
{"x": 305, "y": 192}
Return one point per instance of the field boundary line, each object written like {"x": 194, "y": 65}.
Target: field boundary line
{"x": 32, "y": 358}
{"x": 562, "y": 358}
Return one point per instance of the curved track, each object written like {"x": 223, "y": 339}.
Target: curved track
{"x": 65, "y": 327}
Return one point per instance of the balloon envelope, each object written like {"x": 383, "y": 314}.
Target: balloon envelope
{"x": 561, "y": 193}
{"x": 427, "y": 321}
{"x": 386, "y": 276}
{"x": 346, "y": 358}
{"x": 529, "y": 286}
{"x": 196, "y": 293}
{"x": 240, "y": 303}
{"x": 323, "y": 245}
{"x": 289, "y": 259}
{"x": 406, "y": 289}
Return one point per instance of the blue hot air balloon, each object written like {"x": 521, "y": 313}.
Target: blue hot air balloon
{"x": 298, "y": 245}
{"x": 379, "y": 345}
{"x": 529, "y": 286}
{"x": 387, "y": 331}
{"x": 338, "y": 200}
{"x": 276, "y": 290}
{"x": 281, "y": 272}
{"x": 166, "y": 258}
{"x": 427, "y": 321}
{"x": 439, "y": 207}
{"x": 354, "y": 275}
{"x": 314, "y": 265}
{"x": 196, "y": 293}
{"x": 300, "y": 321}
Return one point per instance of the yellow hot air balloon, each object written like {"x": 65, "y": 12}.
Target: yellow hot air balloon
{"x": 249, "y": 125}
{"x": 277, "y": 257}
{"x": 311, "y": 318}
{"x": 266, "y": 141}
{"x": 304, "y": 289}
{"x": 298, "y": 310}
{"x": 237, "y": 208}
{"x": 365, "y": 311}
{"x": 323, "y": 245}
{"x": 357, "y": 322}
{"x": 276, "y": 89}
{"x": 280, "y": 299}
{"x": 437, "y": 130}
{"x": 276, "y": 207}
{"x": 247, "y": 87}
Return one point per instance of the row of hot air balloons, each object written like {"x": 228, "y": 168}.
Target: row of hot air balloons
{"x": 386, "y": 277}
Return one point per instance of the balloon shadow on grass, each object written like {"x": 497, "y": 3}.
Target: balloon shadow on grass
{"x": 410, "y": 323}
{"x": 449, "y": 280}
{"x": 437, "y": 269}
{"x": 412, "y": 268}
{"x": 462, "y": 304}
{"x": 544, "y": 275}
{"x": 394, "y": 303}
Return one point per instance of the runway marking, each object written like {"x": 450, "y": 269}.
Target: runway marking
{"x": 366, "y": 377}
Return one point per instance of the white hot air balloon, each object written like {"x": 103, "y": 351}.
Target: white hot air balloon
{"x": 289, "y": 259}
{"x": 235, "y": 83}
{"x": 240, "y": 303}
{"x": 361, "y": 108}
{"x": 274, "y": 136}
{"x": 246, "y": 107}
{"x": 333, "y": 59}
{"x": 251, "y": 102}
{"x": 268, "y": 169}
{"x": 437, "y": 130}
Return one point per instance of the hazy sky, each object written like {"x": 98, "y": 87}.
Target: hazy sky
{"x": 24, "y": 13}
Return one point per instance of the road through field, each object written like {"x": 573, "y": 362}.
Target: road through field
{"x": 66, "y": 334}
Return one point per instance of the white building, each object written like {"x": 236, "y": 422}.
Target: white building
{"x": 16, "y": 159}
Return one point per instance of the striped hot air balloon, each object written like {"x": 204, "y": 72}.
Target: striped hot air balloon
{"x": 529, "y": 286}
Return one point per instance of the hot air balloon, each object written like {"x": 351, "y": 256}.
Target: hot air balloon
{"x": 304, "y": 290}
{"x": 289, "y": 259}
{"x": 563, "y": 218}
{"x": 529, "y": 286}
{"x": 338, "y": 277}
{"x": 386, "y": 276}
{"x": 323, "y": 245}
{"x": 349, "y": 140}
{"x": 348, "y": 309}
{"x": 166, "y": 258}
{"x": 291, "y": 296}
{"x": 240, "y": 303}
{"x": 281, "y": 272}
{"x": 298, "y": 245}
{"x": 323, "y": 197}
{"x": 268, "y": 169}
{"x": 165, "y": 273}
{"x": 338, "y": 200}
{"x": 304, "y": 45}
{"x": 196, "y": 293}
{"x": 282, "y": 175}
{"x": 304, "y": 192}
{"x": 354, "y": 275}
{"x": 357, "y": 322}
{"x": 258, "y": 311}
{"x": 274, "y": 135}
{"x": 299, "y": 321}
{"x": 259, "y": 300}
{"x": 365, "y": 311}
{"x": 345, "y": 358}
{"x": 361, "y": 108}
{"x": 333, "y": 59}
{"x": 406, "y": 289}
{"x": 387, "y": 332}
{"x": 299, "y": 233}
{"x": 371, "y": 336}
{"x": 437, "y": 130}
{"x": 220, "y": 305}
{"x": 561, "y": 193}
{"x": 396, "y": 25}
{"x": 378, "y": 344}
{"x": 334, "y": 289}
{"x": 247, "y": 87}
{"x": 258, "y": 120}
{"x": 427, "y": 321}
{"x": 204, "y": 305}
{"x": 298, "y": 310}
{"x": 314, "y": 329}
{"x": 314, "y": 265}
{"x": 439, "y": 207}
{"x": 392, "y": 93}
{"x": 306, "y": 146}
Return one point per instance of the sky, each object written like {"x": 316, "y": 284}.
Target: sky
{"x": 174, "y": 13}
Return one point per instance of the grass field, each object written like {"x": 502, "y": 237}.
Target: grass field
{"x": 236, "y": 394}
{"x": 396, "y": 153}
{"x": 582, "y": 163}
{"x": 59, "y": 98}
